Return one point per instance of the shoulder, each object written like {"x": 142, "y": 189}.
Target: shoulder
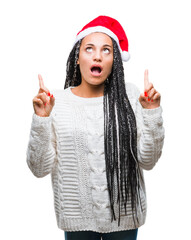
{"x": 60, "y": 93}
{"x": 62, "y": 100}
{"x": 132, "y": 90}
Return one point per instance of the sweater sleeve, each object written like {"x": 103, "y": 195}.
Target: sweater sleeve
{"x": 151, "y": 137}
{"x": 150, "y": 133}
{"x": 41, "y": 151}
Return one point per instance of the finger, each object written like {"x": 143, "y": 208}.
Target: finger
{"x": 43, "y": 97}
{"x": 157, "y": 96}
{"x": 152, "y": 93}
{"x": 146, "y": 79}
{"x": 38, "y": 101}
{"x": 41, "y": 85}
{"x": 149, "y": 88}
{"x": 52, "y": 100}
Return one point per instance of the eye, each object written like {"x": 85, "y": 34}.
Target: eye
{"x": 89, "y": 49}
{"x": 106, "y": 50}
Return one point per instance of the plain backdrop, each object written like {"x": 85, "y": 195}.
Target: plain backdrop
{"x": 36, "y": 37}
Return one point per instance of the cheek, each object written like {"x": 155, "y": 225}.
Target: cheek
{"x": 83, "y": 68}
{"x": 83, "y": 60}
{"x": 82, "y": 64}
{"x": 110, "y": 65}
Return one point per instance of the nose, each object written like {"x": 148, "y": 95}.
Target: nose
{"x": 97, "y": 56}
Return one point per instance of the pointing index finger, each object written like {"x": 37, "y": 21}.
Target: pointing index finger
{"x": 146, "y": 79}
{"x": 41, "y": 84}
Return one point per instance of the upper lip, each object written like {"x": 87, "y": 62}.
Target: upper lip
{"x": 96, "y": 65}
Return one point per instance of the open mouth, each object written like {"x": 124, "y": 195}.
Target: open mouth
{"x": 96, "y": 70}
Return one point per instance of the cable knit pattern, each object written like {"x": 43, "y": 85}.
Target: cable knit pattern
{"x": 70, "y": 145}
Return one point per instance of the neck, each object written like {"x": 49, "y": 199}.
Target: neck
{"x": 89, "y": 91}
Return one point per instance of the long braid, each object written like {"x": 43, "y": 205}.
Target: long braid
{"x": 120, "y": 135}
{"x": 73, "y": 76}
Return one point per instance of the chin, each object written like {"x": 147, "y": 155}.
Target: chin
{"x": 96, "y": 83}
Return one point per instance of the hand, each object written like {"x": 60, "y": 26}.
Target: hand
{"x": 151, "y": 98}
{"x": 44, "y": 101}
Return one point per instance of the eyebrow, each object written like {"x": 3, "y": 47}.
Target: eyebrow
{"x": 105, "y": 45}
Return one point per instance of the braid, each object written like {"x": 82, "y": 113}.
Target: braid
{"x": 120, "y": 141}
{"x": 120, "y": 134}
{"x": 73, "y": 75}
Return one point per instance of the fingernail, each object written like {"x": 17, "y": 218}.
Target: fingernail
{"x": 48, "y": 94}
{"x": 148, "y": 99}
{"x": 152, "y": 100}
{"x": 146, "y": 95}
{"x": 52, "y": 95}
{"x": 45, "y": 104}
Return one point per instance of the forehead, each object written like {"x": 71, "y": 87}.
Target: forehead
{"x": 97, "y": 38}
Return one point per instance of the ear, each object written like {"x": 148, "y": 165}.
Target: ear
{"x": 78, "y": 61}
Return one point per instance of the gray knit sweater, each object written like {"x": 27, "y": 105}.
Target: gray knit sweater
{"x": 69, "y": 144}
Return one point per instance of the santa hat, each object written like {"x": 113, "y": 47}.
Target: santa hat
{"x": 112, "y": 28}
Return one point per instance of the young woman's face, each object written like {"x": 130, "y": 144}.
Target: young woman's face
{"x": 96, "y": 58}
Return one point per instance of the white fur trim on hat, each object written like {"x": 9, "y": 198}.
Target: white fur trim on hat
{"x": 125, "y": 56}
{"x": 105, "y": 30}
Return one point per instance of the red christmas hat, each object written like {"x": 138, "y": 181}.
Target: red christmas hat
{"x": 112, "y": 28}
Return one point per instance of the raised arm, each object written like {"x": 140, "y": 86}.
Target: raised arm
{"x": 148, "y": 114}
{"x": 41, "y": 151}
{"x": 151, "y": 137}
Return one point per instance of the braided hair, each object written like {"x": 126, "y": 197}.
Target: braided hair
{"x": 120, "y": 134}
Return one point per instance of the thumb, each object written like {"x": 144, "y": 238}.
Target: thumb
{"x": 52, "y": 100}
{"x": 142, "y": 97}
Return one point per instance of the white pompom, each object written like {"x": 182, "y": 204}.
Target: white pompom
{"x": 125, "y": 56}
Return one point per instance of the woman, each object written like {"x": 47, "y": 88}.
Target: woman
{"x": 96, "y": 136}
